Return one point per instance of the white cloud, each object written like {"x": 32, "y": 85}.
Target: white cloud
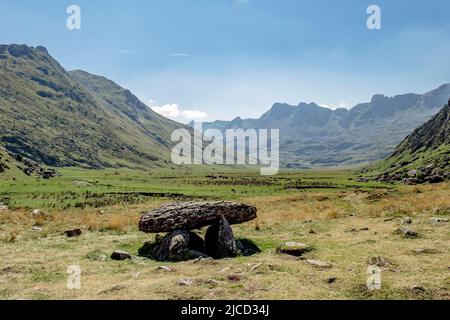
{"x": 194, "y": 114}
{"x": 181, "y": 55}
{"x": 343, "y": 104}
{"x": 174, "y": 111}
{"x": 168, "y": 110}
{"x": 125, "y": 51}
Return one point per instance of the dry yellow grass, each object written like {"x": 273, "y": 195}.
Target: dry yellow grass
{"x": 34, "y": 262}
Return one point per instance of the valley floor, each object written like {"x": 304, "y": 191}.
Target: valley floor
{"x": 351, "y": 226}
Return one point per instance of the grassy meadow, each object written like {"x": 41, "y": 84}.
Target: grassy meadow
{"x": 350, "y": 225}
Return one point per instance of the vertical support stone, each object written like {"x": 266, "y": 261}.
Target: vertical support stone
{"x": 219, "y": 240}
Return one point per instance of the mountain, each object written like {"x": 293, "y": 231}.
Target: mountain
{"x": 424, "y": 156}
{"x": 314, "y": 136}
{"x": 62, "y": 118}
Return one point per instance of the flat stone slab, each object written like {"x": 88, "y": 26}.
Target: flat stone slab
{"x": 194, "y": 215}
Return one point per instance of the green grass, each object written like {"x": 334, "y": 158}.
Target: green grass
{"x": 82, "y": 188}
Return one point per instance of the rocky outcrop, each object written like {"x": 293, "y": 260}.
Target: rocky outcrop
{"x": 424, "y": 156}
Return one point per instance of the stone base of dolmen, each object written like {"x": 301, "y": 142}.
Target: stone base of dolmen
{"x": 181, "y": 245}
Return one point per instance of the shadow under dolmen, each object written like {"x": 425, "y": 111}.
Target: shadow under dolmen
{"x": 181, "y": 243}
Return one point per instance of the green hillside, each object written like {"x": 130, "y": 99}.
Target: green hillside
{"x": 75, "y": 119}
{"x": 424, "y": 156}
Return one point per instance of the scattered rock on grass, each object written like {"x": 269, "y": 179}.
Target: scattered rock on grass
{"x": 425, "y": 251}
{"x": 331, "y": 280}
{"x": 234, "y": 278}
{"x": 73, "y": 233}
{"x": 406, "y": 220}
{"x": 165, "y": 268}
{"x": 295, "y": 249}
{"x": 3, "y": 207}
{"x": 436, "y": 221}
{"x": 247, "y": 247}
{"x": 407, "y": 232}
{"x": 378, "y": 261}
{"x": 120, "y": 255}
{"x": 318, "y": 263}
{"x": 185, "y": 282}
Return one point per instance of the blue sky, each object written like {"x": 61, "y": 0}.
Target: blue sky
{"x": 219, "y": 59}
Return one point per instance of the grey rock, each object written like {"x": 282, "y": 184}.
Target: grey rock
{"x": 185, "y": 282}
{"x": 165, "y": 268}
{"x": 318, "y": 264}
{"x": 407, "y": 232}
{"x": 406, "y": 220}
{"x": 192, "y": 215}
{"x": 435, "y": 220}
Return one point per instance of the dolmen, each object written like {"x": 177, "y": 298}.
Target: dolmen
{"x": 181, "y": 243}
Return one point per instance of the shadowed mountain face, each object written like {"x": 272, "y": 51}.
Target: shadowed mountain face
{"x": 313, "y": 136}
{"x": 74, "y": 118}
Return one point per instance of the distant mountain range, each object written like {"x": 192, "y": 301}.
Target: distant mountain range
{"x": 314, "y": 136}
{"x": 62, "y": 118}
{"x": 73, "y": 118}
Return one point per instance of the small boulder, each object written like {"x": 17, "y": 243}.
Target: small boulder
{"x": 406, "y": 220}
{"x": 120, "y": 255}
{"x": 185, "y": 282}
{"x": 3, "y": 207}
{"x": 165, "y": 268}
{"x": 73, "y": 233}
{"x": 378, "y": 261}
{"x": 247, "y": 247}
{"x": 295, "y": 249}
{"x": 407, "y": 232}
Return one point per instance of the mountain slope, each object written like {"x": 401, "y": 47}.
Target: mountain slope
{"x": 62, "y": 118}
{"x": 424, "y": 156}
{"x": 313, "y": 136}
